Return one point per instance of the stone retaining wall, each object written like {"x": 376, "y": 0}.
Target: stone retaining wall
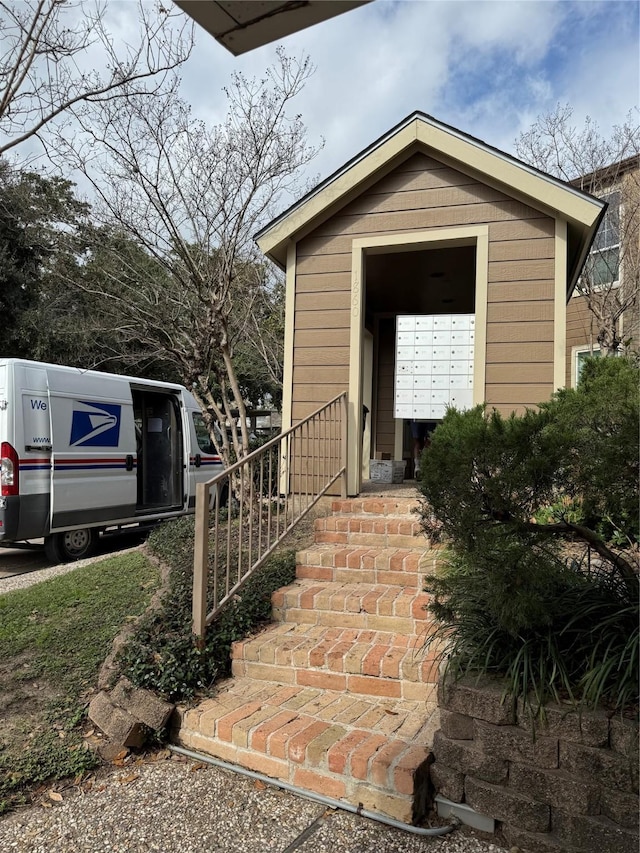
{"x": 569, "y": 784}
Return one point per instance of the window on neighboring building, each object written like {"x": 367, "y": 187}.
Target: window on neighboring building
{"x": 604, "y": 258}
{"x": 581, "y": 356}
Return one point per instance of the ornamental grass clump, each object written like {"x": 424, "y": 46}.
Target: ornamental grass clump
{"x": 540, "y": 516}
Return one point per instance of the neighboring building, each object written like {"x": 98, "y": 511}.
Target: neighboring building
{"x": 427, "y": 221}
{"x": 610, "y": 278}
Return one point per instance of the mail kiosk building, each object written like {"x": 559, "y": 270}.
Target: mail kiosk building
{"x": 427, "y": 222}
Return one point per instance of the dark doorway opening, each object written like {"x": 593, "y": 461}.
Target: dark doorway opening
{"x": 160, "y": 461}
{"x": 433, "y": 281}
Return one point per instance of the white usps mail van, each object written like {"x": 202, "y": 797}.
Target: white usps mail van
{"x": 83, "y": 452}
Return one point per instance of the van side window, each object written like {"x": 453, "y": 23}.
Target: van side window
{"x": 202, "y": 434}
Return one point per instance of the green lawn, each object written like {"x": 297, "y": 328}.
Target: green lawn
{"x": 54, "y": 636}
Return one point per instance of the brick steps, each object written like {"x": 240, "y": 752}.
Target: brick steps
{"x": 337, "y": 696}
{"x": 365, "y": 662}
{"x": 354, "y": 564}
{"x": 379, "y": 607}
{"x": 343, "y": 746}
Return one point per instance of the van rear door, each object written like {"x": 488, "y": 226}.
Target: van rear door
{"x": 93, "y": 478}
{"x": 4, "y": 403}
{"x": 32, "y": 433}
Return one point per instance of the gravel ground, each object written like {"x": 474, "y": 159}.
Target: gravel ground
{"x": 178, "y": 806}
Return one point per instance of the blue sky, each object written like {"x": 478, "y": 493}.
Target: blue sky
{"x": 488, "y": 68}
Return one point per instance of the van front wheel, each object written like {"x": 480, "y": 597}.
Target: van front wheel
{"x": 70, "y": 545}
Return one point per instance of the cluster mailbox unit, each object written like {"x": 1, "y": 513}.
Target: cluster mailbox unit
{"x": 434, "y": 364}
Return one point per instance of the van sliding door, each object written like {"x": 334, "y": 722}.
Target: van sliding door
{"x": 93, "y": 478}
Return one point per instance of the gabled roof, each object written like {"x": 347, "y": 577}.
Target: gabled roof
{"x": 421, "y": 132}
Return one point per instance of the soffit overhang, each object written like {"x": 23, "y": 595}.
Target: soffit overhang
{"x": 243, "y": 25}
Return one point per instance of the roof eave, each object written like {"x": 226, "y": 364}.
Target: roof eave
{"x": 552, "y": 194}
{"x": 276, "y": 235}
{"x": 573, "y": 274}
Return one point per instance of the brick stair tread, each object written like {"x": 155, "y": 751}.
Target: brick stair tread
{"x": 401, "y": 515}
{"x": 359, "y": 554}
{"x": 366, "y": 662}
{"x": 332, "y": 743}
{"x": 353, "y": 597}
{"x": 358, "y": 563}
{"x": 400, "y": 531}
{"x": 375, "y": 506}
{"x": 407, "y": 718}
{"x": 407, "y": 524}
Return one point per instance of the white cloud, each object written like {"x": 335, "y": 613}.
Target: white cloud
{"x": 604, "y": 80}
{"x": 487, "y": 67}
{"x": 524, "y": 28}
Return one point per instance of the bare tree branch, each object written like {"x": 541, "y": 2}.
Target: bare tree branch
{"x": 50, "y": 52}
{"x": 190, "y": 198}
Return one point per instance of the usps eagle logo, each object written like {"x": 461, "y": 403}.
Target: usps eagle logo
{"x": 95, "y": 425}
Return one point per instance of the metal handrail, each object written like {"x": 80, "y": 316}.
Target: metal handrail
{"x": 268, "y": 493}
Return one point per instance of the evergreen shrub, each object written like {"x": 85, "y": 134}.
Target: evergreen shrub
{"x": 540, "y": 516}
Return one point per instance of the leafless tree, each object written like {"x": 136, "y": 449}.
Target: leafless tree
{"x": 189, "y": 198}
{"x": 609, "y": 168}
{"x": 59, "y": 58}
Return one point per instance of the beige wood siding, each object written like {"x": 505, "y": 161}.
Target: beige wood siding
{"x": 314, "y": 457}
{"x": 580, "y": 330}
{"x": 423, "y": 193}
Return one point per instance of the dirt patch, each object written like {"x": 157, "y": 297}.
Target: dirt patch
{"x": 28, "y": 696}
{"x": 24, "y": 700}
{"x": 20, "y": 691}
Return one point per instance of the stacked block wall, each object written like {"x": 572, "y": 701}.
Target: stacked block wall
{"x": 565, "y": 785}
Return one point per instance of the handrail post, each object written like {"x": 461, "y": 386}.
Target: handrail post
{"x": 343, "y": 445}
{"x": 200, "y": 562}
